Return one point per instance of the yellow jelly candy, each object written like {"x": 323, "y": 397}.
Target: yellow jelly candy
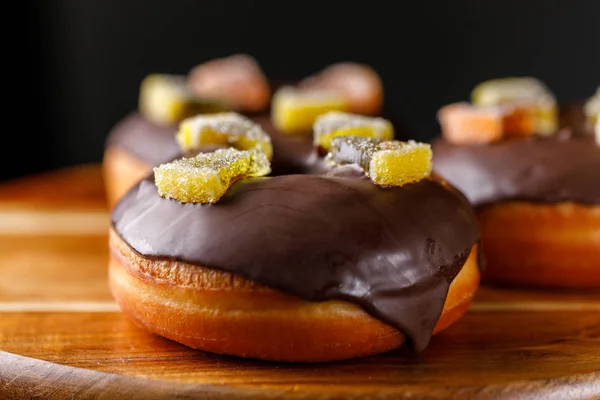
{"x": 167, "y": 99}
{"x": 386, "y": 162}
{"x": 597, "y": 129}
{"x": 592, "y": 108}
{"x": 206, "y": 177}
{"x": 336, "y": 123}
{"x": 294, "y": 111}
{"x": 520, "y": 91}
{"x": 228, "y": 128}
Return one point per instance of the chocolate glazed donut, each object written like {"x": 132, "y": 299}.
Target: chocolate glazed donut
{"x": 393, "y": 252}
{"x": 545, "y": 170}
{"x": 538, "y": 202}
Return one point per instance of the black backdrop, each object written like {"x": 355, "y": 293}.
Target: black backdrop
{"x": 85, "y": 58}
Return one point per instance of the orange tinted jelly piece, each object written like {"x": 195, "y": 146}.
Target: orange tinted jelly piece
{"x": 526, "y": 92}
{"x": 237, "y": 79}
{"x": 335, "y": 123}
{"x": 385, "y": 162}
{"x": 597, "y": 129}
{"x": 206, "y": 177}
{"x": 519, "y": 120}
{"x": 229, "y": 129}
{"x": 360, "y": 85}
{"x": 463, "y": 123}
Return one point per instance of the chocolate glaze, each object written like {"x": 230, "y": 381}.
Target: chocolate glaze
{"x": 560, "y": 168}
{"x": 393, "y": 251}
{"x": 292, "y": 154}
{"x": 149, "y": 142}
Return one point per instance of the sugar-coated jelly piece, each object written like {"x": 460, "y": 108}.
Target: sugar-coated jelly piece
{"x": 521, "y": 91}
{"x": 463, "y": 123}
{"x": 518, "y": 120}
{"x": 547, "y": 120}
{"x": 385, "y": 162}
{"x": 294, "y": 111}
{"x": 345, "y": 150}
{"x": 509, "y": 90}
{"x": 360, "y": 84}
{"x": 337, "y": 123}
{"x": 592, "y": 108}
{"x": 597, "y": 129}
{"x": 166, "y": 99}
{"x": 227, "y": 128}
{"x": 238, "y": 79}
{"x": 206, "y": 177}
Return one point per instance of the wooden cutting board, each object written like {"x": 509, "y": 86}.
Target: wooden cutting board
{"x": 62, "y": 336}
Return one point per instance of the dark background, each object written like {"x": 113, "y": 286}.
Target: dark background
{"x": 84, "y": 59}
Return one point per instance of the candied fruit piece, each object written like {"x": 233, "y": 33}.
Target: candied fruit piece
{"x": 206, "y": 177}
{"x": 238, "y": 79}
{"x": 508, "y": 90}
{"x": 357, "y": 150}
{"x": 228, "y": 128}
{"x": 395, "y": 167}
{"x": 336, "y": 123}
{"x": 167, "y": 99}
{"x": 546, "y": 119}
{"x": 462, "y": 123}
{"x": 294, "y": 111}
{"x": 385, "y": 162}
{"x": 592, "y": 108}
{"x": 597, "y": 129}
{"x": 521, "y": 91}
{"x": 518, "y": 120}
{"x": 360, "y": 84}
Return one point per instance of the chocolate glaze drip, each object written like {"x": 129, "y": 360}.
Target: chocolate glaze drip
{"x": 155, "y": 144}
{"x": 560, "y": 168}
{"x": 393, "y": 251}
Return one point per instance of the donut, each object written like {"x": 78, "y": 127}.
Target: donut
{"x": 537, "y": 198}
{"x": 304, "y": 233}
{"x": 297, "y": 268}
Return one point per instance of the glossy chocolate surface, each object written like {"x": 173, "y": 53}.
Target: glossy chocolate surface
{"x": 393, "y": 251}
{"x": 292, "y": 154}
{"x": 151, "y": 143}
{"x": 565, "y": 167}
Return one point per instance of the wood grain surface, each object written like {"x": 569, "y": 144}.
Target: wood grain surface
{"x": 63, "y": 336}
